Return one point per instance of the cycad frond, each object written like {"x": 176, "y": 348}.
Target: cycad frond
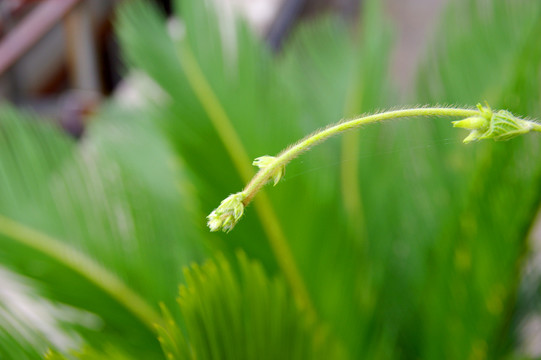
{"x": 91, "y": 216}
{"x": 239, "y": 313}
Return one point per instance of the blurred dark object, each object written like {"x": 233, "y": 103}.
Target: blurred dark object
{"x": 60, "y": 57}
{"x": 75, "y": 108}
{"x": 49, "y": 49}
{"x": 293, "y": 10}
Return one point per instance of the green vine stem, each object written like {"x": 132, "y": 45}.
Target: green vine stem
{"x": 483, "y": 123}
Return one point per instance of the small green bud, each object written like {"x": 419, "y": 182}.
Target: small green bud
{"x": 472, "y": 136}
{"x": 226, "y": 216}
{"x": 472, "y": 123}
{"x": 505, "y": 126}
{"x": 264, "y": 161}
{"x": 501, "y": 125}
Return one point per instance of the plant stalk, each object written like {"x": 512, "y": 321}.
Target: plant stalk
{"x": 263, "y": 176}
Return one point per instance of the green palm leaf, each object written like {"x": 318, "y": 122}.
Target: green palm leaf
{"x": 85, "y": 211}
{"x": 239, "y": 313}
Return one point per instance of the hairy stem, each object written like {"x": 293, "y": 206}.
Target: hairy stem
{"x": 263, "y": 176}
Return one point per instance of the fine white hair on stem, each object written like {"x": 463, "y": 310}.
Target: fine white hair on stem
{"x": 483, "y": 123}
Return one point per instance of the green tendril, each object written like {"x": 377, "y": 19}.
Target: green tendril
{"x": 483, "y": 123}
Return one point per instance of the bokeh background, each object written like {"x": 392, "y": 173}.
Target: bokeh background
{"x": 407, "y": 244}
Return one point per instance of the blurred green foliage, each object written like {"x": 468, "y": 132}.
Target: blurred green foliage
{"x": 410, "y": 243}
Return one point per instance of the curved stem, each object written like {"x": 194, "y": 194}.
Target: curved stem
{"x": 536, "y": 126}
{"x": 85, "y": 266}
{"x": 263, "y": 176}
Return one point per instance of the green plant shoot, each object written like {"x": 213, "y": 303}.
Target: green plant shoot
{"x": 483, "y": 123}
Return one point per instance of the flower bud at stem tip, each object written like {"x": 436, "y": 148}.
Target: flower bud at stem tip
{"x": 471, "y": 123}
